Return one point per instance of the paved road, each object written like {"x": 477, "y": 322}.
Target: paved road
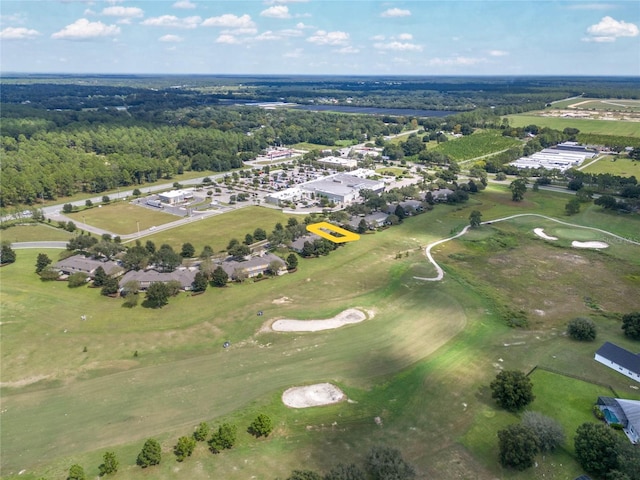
{"x": 23, "y": 245}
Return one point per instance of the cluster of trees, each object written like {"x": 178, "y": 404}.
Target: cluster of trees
{"x": 631, "y": 325}
{"x": 224, "y": 438}
{"x": 582, "y": 328}
{"x": 7, "y": 254}
{"x": 380, "y": 463}
{"x": 109, "y": 466}
{"x": 59, "y": 159}
{"x": 521, "y": 442}
{"x": 512, "y": 390}
{"x": 605, "y": 453}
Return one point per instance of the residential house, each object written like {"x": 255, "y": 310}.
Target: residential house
{"x": 87, "y": 265}
{"x": 619, "y": 359}
{"x": 622, "y": 412}
{"x": 254, "y": 266}
{"x": 145, "y": 278}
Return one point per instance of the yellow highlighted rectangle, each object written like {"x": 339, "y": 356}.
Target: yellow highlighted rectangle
{"x": 325, "y": 230}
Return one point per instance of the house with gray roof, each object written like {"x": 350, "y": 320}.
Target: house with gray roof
{"x": 622, "y": 412}
{"x": 252, "y": 267}
{"x": 87, "y": 265}
{"x": 620, "y": 360}
{"x": 298, "y": 243}
{"x": 145, "y": 278}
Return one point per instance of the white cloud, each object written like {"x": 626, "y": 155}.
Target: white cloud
{"x": 395, "y": 12}
{"x": 277, "y": 11}
{"x": 290, "y": 32}
{"x": 498, "y": 53}
{"x": 608, "y": 30}
{"x": 184, "y": 4}
{"x": 14, "y": 18}
{"x": 455, "y": 61}
{"x": 172, "y": 21}
{"x": 123, "y": 12}
{"x": 171, "y": 38}
{"x": 348, "y": 50}
{"x": 322, "y": 37}
{"x": 302, "y": 26}
{"x": 228, "y": 20}
{"x": 229, "y": 39}
{"x": 378, "y": 38}
{"x": 398, "y": 46}
{"x": 405, "y": 36}
{"x": 18, "y": 33}
{"x": 240, "y": 31}
{"x": 83, "y": 29}
{"x": 268, "y": 35}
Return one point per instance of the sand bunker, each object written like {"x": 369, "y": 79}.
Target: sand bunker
{"x": 312, "y": 395}
{"x": 349, "y": 316}
{"x": 577, "y": 244}
{"x": 540, "y": 232}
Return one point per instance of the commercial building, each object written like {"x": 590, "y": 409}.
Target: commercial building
{"x": 562, "y": 157}
{"x": 175, "y": 197}
{"x": 339, "y": 188}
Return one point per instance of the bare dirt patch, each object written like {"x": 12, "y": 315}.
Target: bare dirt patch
{"x": 281, "y": 300}
{"x": 312, "y": 395}
{"x": 349, "y": 316}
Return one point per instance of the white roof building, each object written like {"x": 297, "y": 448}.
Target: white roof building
{"x": 339, "y": 188}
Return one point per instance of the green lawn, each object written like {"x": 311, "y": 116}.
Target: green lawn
{"x": 600, "y": 127}
{"x": 34, "y": 233}
{"x": 422, "y": 362}
{"x": 216, "y": 231}
{"x": 621, "y": 166}
{"x": 604, "y": 104}
{"x": 122, "y": 218}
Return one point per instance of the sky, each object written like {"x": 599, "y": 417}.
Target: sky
{"x": 320, "y": 37}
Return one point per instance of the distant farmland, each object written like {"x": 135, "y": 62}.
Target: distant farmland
{"x": 599, "y": 127}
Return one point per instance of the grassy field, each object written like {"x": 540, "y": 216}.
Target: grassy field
{"x": 422, "y": 363}
{"x": 622, "y": 166}
{"x": 609, "y": 104}
{"x": 600, "y": 127}
{"x": 34, "y": 233}
{"x": 216, "y": 231}
{"x": 122, "y": 218}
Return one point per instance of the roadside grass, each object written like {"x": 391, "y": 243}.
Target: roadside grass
{"x": 216, "y": 231}
{"x": 430, "y": 349}
{"x": 621, "y": 166}
{"x": 313, "y": 146}
{"x": 122, "y": 218}
{"x": 35, "y": 232}
{"x": 589, "y": 126}
{"x": 392, "y": 171}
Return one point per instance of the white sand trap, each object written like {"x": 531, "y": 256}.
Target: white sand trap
{"x": 312, "y": 396}
{"x": 351, "y": 315}
{"x": 540, "y": 232}
{"x": 577, "y": 244}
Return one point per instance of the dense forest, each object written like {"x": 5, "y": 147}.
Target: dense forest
{"x": 68, "y": 134}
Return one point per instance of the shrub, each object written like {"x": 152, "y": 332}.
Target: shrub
{"x": 582, "y": 328}
{"x": 151, "y": 454}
